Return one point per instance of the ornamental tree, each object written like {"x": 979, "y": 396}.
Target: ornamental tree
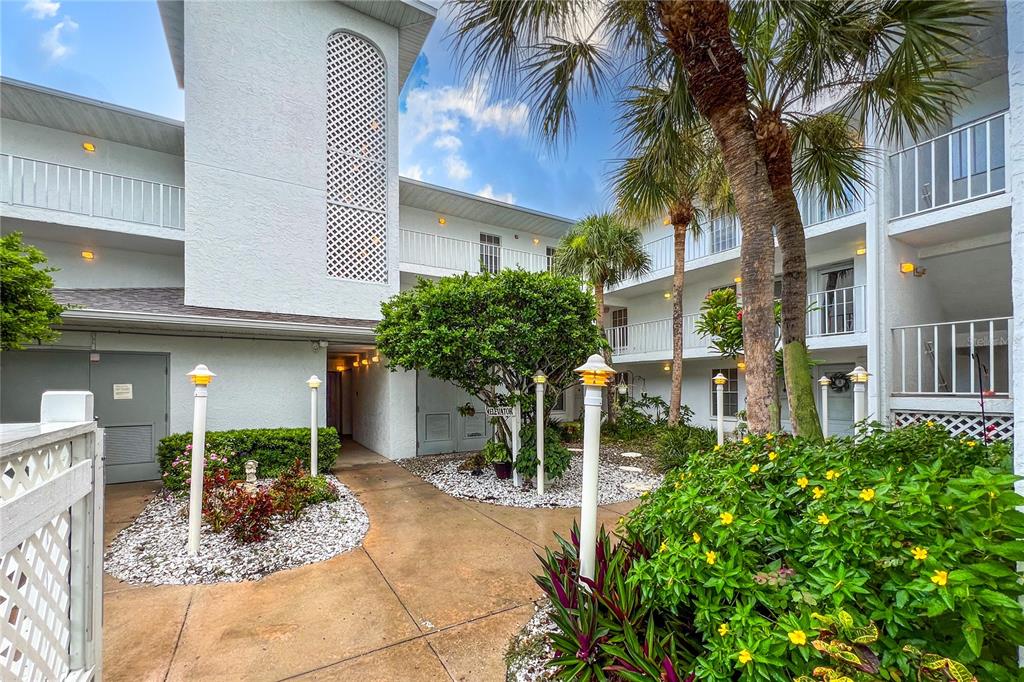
{"x": 28, "y": 311}
{"x": 489, "y": 333}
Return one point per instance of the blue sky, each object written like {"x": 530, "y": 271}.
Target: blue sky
{"x": 452, "y": 132}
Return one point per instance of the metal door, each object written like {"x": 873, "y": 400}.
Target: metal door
{"x": 840, "y": 402}
{"x": 25, "y": 375}
{"x": 130, "y": 391}
{"x": 440, "y": 424}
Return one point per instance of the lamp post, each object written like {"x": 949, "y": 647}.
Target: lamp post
{"x": 201, "y": 377}
{"x": 314, "y": 383}
{"x": 824, "y": 383}
{"x": 720, "y": 382}
{"x": 594, "y": 374}
{"x": 859, "y": 377}
{"x": 540, "y": 380}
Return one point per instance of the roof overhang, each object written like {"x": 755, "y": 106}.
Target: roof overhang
{"x": 412, "y": 18}
{"x": 451, "y": 202}
{"x": 29, "y": 103}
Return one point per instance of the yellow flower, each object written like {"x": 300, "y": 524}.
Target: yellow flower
{"x": 682, "y": 476}
{"x": 929, "y": 423}
{"x": 723, "y": 629}
{"x": 717, "y": 448}
{"x": 831, "y": 474}
{"x": 819, "y": 492}
{"x": 754, "y": 468}
{"x": 622, "y": 520}
{"x": 746, "y": 440}
{"x": 663, "y": 547}
{"x": 971, "y": 443}
{"x": 802, "y": 481}
{"x": 711, "y": 557}
{"x": 769, "y": 436}
{"x": 899, "y": 468}
{"x": 726, "y": 518}
{"x": 940, "y": 578}
{"x": 696, "y": 536}
{"x": 991, "y": 494}
{"x": 867, "y": 494}
{"x": 772, "y": 456}
{"x": 920, "y": 553}
{"x": 677, "y": 485}
{"x": 745, "y": 657}
{"x": 823, "y": 519}
{"x": 645, "y": 493}
{"x": 798, "y": 637}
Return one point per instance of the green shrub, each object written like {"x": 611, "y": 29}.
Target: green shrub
{"x": 571, "y": 432}
{"x": 556, "y": 455}
{"x": 294, "y": 490}
{"x": 638, "y": 417}
{"x": 675, "y": 443}
{"x": 913, "y": 531}
{"x": 496, "y": 451}
{"x": 274, "y": 449}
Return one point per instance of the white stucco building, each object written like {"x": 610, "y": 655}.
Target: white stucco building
{"x": 260, "y": 236}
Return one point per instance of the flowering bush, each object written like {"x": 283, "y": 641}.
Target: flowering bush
{"x": 178, "y": 472}
{"x": 914, "y": 530}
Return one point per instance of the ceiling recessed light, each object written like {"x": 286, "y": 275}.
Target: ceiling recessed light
{"x": 88, "y": 146}
{"x": 667, "y": 294}
{"x": 88, "y": 255}
{"x": 441, "y": 220}
{"x": 861, "y": 251}
{"x": 536, "y": 241}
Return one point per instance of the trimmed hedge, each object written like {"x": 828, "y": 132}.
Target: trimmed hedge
{"x": 275, "y": 449}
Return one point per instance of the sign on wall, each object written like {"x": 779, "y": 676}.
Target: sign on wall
{"x": 122, "y": 391}
{"x": 503, "y": 411}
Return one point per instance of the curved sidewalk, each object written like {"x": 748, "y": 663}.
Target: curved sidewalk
{"x": 435, "y": 592}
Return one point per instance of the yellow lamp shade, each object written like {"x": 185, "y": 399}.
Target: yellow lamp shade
{"x": 907, "y": 268}
{"x": 861, "y": 251}
{"x": 313, "y": 381}
{"x": 201, "y": 375}
{"x": 737, "y": 279}
{"x": 595, "y": 371}
{"x": 824, "y": 381}
{"x": 859, "y": 375}
{"x": 88, "y": 255}
{"x": 720, "y": 379}
{"x": 540, "y": 378}
{"x": 88, "y": 146}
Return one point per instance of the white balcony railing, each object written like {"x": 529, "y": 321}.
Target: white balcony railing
{"x": 643, "y": 337}
{"x": 462, "y": 255}
{"x": 964, "y": 164}
{"x": 814, "y": 209}
{"x": 965, "y": 358}
{"x": 54, "y": 186}
{"x": 837, "y": 311}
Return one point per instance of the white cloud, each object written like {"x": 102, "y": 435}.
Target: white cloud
{"x": 456, "y": 167}
{"x": 448, "y": 142}
{"x": 415, "y": 172}
{"x": 51, "y": 40}
{"x": 431, "y": 111}
{"x": 42, "y": 9}
{"x": 488, "y": 193}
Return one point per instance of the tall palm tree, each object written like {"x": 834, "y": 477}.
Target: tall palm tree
{"x": 602, "y": 250}
{"x": 675, "y": 167}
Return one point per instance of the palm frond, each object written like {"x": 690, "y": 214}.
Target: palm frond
{"x": 829, "y": 158}
{"x": 602, "y": 248}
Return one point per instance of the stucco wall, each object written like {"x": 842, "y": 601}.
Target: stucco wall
{"x": 258, "y": 383}
{"x": 110, "y": 267}
{"x": 384, "y": 410}
{"x": 255, "y": 163}
{"x": 420, "y": 220}
{"x": 1015, "y": 158}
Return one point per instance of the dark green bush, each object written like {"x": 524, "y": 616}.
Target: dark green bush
{"x": 556, "y": 455}
{"x": 675, "y": 443}
{"x": 909, "y": 532}
{"x": 571, "y": 432}
{"x": 274, "y": 449}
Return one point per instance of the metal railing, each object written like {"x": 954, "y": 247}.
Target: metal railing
{"x": 55, "y": 186}
{"x": 964, "y": 164}
{"x": 966, "y": 358}
{"x": 836, "y": 311}
{"x": 462, "y": 255}
{"x": 814, "y": 209}
{"x": 653, "y": 336}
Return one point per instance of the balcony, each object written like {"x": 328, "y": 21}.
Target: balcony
{"x": 56, "y": 187}
{"x": 969, "y": 358}
{"x": 814, "y": 209}
{"x": 963, "y": 165}
{"x": 836, "y": 311}
{"x": 440, "y": 253}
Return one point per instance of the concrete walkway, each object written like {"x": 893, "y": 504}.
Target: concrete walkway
{"x": 434, "y": 594}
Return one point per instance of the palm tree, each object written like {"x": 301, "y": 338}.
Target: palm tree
{"x": 602, "y": 250}
{"x": 675, "y": 167}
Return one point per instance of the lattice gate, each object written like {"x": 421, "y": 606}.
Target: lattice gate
{"x": 966, "y": 424}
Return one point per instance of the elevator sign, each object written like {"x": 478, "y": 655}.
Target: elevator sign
{"x": 503, "y": 411}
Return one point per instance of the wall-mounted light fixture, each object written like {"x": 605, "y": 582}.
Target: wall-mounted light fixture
{"x": 737, "y": 280}
{"x": 366, "y": 363}
{"x": 441, "y": 220}
{"x": 88, "y": 255}
{"x": 861, "y": 251}
{"x": 88, "y": 146}
{"x": 741, "y": 364}
{"x": 908, "y": 268}
{"x": 667, "y": 367}
{"x": 667, "y": 295}
{"x": 536, "y": 241}
{"x": 666, "y": 221}
{"x": 376, "y": 357}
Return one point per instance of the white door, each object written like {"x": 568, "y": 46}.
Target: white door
{"x": 840, "y": 399}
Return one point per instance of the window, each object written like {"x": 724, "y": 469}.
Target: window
{"x": 490, "y": 253}
{"x": 732, "y": 392}
{"x": 620, "y": 330}
{"x": 550, "y": 253}
{"x": 620, "y": 317}
{"x": 357, "y": 183}
{"x": 836, "y": 301}
{"x": 559, "y": 403}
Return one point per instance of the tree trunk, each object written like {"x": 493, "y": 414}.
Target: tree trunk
{"x": 599, "y": 300}
{"x": 681, "y": 214}
{"x": 610, "y": 391}
{"x": 698, "y": 32}
{"x": 778, "y": 155}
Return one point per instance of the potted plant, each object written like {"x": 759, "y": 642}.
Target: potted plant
{"x": 498, "y": 454}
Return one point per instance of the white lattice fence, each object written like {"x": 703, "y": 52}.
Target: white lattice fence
{"x": 966, "y": 424}
{"x": 357, "y": 179}
{"x": 50, "y": 551}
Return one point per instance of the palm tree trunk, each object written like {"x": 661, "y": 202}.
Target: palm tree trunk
{"x": 599, "y": 300}
{"x": 789, "y": 227}
{"x": 681, "y": 215}
{"x": 698, "y": 32}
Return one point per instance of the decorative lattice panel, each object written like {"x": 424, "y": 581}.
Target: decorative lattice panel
{"x": 357, "y": 182}
{"x": 28, "y": 470}
{"x": 966, "y": 424}
{"x": 35, "y": 605}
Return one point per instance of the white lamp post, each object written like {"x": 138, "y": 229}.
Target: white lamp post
{"x": 720, "y": 382}
{"x": 824, "y": 383}
{"x": 314, "y": 383}
{"x": 540, "y": 380}
{"x": 859, "y": 377}
{"x": 201, "y": 377}
{"x": 595, "y": 374}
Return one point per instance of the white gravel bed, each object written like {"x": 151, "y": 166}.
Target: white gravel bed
{"x": 154, "y": 548}
{"x": 614, "y": 484}
{"x": 530, "y": 649}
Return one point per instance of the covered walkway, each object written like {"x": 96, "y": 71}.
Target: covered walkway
{"x": 434, "y": 594}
